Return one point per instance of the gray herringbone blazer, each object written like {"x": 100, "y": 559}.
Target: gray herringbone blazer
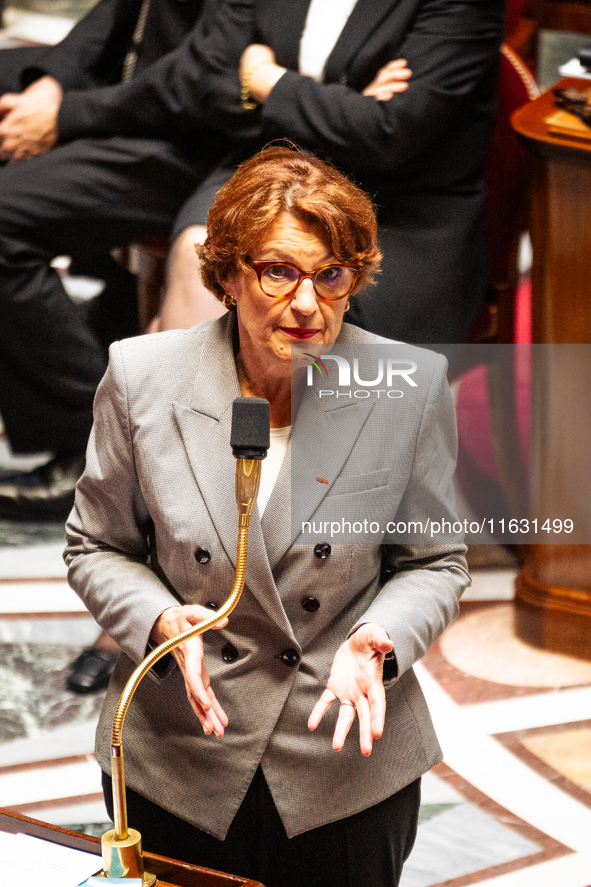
{"x": 159, "y": 483}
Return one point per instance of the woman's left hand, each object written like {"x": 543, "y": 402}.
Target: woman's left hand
{"x": 259, "y": 68}
{"x": 356, "y": 677}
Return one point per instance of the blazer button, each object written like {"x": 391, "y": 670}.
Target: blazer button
{"x": 310, "y": 604}
{"x": 229, "y": 653}
{"x": 202, "y": 555}
{"x": 289, "y": 657}
{"x": 211, "y": 605}
{"x": 322, "y": 550}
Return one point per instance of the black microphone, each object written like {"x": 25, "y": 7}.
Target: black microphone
{"x": 251, "y": 419}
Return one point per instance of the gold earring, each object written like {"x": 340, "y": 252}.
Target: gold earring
{"x": 347, "y": 306}
{"x": 228, "y": 301}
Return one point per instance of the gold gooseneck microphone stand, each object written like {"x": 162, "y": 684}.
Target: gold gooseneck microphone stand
{"x": 122, "y": 846}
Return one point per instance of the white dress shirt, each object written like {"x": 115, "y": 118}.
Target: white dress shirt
{"x": 324, "y": 24}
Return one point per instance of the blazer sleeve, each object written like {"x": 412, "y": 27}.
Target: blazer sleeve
{"x": 450, "y": 47}
{"x": 95, "y": 46}
{"x": 166, "y": 99}
{"x": 107, "y": 531}
{"x": 419, "y": 601}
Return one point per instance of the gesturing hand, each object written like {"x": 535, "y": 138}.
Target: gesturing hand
{"x": 29, "y": 119}
{"x": 392, "y": 78}
{"x": 191, "y": 662}
{"x": 356, "y": 677}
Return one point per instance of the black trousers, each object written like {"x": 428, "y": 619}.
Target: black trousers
{"x": 83, "y": 197}
{"x": 367, "y": 849}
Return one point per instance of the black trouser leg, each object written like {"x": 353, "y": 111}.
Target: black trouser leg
{"x": 88, "y": 195}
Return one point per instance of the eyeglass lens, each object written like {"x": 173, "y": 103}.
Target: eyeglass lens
{"x": 331, "y": 282}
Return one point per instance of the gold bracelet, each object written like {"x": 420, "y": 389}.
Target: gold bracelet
{"x": 248, "y": 103}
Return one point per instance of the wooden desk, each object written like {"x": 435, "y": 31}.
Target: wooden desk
{"x": 171, "y": 872}
{"x": 553, "y": 590}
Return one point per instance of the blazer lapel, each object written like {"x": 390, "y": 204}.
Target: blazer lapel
{"x": 284, "y": 31}
{"x": 366, "y": 18}
{"x": 205, "y": 430}
{"x": 322, "y": 439}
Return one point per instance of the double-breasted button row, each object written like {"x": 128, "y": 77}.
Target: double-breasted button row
{"x": 322, "y": 550}
{"x": 289, "y": 656}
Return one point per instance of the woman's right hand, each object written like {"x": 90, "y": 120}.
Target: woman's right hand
{"x": 392, "y": 78}
{"x": 191, "y": 662}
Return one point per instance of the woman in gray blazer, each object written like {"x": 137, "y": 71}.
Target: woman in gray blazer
{"x": 236, "y": 757}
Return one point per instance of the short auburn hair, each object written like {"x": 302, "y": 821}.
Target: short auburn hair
{"x": 281, "y": 179}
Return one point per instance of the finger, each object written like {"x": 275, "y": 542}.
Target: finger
{"x": 399, "y": 76}
{"x": 212, "y": 719}
{"x": 365, "y": 735}
{"x": 208, "y": 722}
{"x": 385, "y": 94}
{"x": 195, "y": 673}
{"x": 382, "y": 644}
{"x": 320, "y": 709}
{"x": 213, "y": 722}
{"x": 8, "y": 101}
{"x": 343, "y": 725}
{"x": 393, "y": 75}
{"x": 395, "y": 64}
{"x": 201, "y": 614}
{"x": 377, "y": 705}
{"x": 10, "y": 146}
{"x": 217, "y": 708}
{"x": 198, "y": 690}
{"x": 394, "y": 80}
{"x": 22, "y": 153}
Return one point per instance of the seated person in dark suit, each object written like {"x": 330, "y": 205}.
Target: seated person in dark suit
{"x": 95, "y": 163}
{"x": 311, "y": 72}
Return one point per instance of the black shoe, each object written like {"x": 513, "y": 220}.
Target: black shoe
{"x": 91, "y": 671}
{"x": 45, "y": 494}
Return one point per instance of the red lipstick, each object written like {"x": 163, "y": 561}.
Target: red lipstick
{"x": 298, "y": 332}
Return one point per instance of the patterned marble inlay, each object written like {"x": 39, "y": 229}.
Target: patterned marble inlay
{"x": 460, "y": 840}
{"x": 567, "y": 751}
{"x": 483, "y": 644}
{"x": 32, "y": 694}
{"x": 18, "y": 534}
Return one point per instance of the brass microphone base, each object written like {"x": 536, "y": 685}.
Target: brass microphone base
{"x": 123, "y": 858}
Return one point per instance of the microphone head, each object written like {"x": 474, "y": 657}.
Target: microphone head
{"x": 251, "y": 420}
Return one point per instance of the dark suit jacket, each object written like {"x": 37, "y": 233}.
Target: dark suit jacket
{"x": 420, "y": 155}
{"x": 159, "y": 465}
